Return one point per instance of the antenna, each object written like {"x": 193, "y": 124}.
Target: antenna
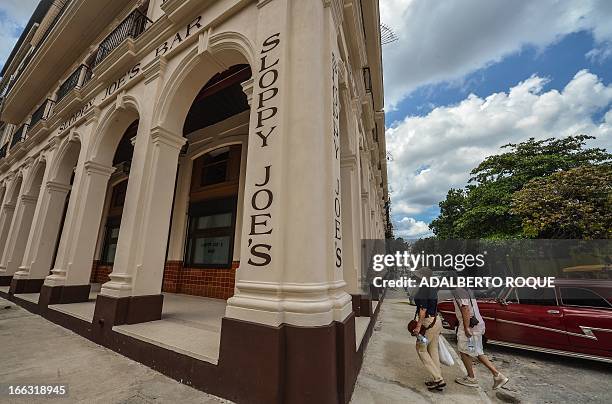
{"x": 387, "y": 35}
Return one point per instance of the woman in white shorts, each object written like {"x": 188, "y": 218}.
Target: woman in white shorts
{"x": 469, "y": 340}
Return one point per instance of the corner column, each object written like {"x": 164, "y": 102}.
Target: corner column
{"x": 290, "y": 309}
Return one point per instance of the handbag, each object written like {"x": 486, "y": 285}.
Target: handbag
{"x": 413, "y": 324}
{"x": 443, "y": 350}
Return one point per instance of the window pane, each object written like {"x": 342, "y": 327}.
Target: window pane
{"x": 114, "y": 232}
{"x": 541, "y": 297}
{"x": 110, "y": 253}
{"x": 214, "y": 173}
{"x": 211, "y": 250}
{"x": 582, "y": 297}
{"x": 214, "y": 221}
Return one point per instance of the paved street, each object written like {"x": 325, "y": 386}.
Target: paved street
{"x": 544, "y": 378}
{"x": 392, "y": 372}
{"x": 36, "y": 351}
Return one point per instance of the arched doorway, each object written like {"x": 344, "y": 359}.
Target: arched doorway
{"x": 204, "y": 245}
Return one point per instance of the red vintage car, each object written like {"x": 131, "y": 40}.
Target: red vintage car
{"x": 572, "y": 319}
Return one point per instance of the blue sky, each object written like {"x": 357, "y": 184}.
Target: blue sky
{"x": 14, "y": 15}
{"x": 468, "y": 76}
{"x": 558, "y": 62}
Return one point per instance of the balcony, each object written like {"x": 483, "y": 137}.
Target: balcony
{"x": 19, "y": 135}
{"x": 73, "y": 32}
{"x": 42, "y": 113}
{"x": 134, "y": 25}
{"x": 77, "y": 79}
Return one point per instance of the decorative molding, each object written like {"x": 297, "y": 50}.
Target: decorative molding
{"x": 92, "y": 167}
{"x": 28, "y": 199}
{"x": 247, "y": 88}
{"x": 54, "y": 186}
{"x": 162, "y": 135}
{"x": 263, "y": 3}
{"x": 156, "y": 68}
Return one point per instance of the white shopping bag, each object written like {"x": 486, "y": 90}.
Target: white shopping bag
{"x": 444, "y": 351}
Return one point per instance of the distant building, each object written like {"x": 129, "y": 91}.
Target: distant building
{"x": 230, "y": 149}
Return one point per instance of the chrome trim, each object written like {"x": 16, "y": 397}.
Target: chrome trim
{"x": 547, "y": 329}
{"x": 589, "y": 331}
{"x": 488, "y": 318}
{"x": 551, "y": 351}
{"x": 447, "y": 312}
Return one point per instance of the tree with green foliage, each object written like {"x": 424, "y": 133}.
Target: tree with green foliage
{"x": 484, "y": 208}
{"x": 572, "y": 204}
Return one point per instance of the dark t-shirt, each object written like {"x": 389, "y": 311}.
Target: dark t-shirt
{"x": 427, "y": 298}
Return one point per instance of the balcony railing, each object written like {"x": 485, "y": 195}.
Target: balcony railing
{"x": 19, "y": 135}
{"x": 134, "y": 25}
{"x": 76, "y": 79}
{"x": 42, "y": 113}
{"x": 3, "y": 150}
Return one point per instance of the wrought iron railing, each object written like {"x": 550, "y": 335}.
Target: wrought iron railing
{"x": 133, "y": 25}
{"x": 72, "y": 82}
{"x": 42, "y": 113}
{"x": 3, "y": 150}
{"x": 19, "y": 135}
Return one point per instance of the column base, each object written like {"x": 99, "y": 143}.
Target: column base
{"x": 5, "y": 280}
{"x": 26, "y": 286}
{"x": 112, "y": 311}
{"x": 362, "y": 305}
{"x": 295, "y": 364}
{"x": 63, "y": 294}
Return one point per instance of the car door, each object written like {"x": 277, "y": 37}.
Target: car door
{"x": 531, "y": 317}
{"x": 588, "y": 319}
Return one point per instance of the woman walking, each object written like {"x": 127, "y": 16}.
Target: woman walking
{"x": 427, "y": 331}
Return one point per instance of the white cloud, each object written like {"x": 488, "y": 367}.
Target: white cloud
{"x": 446, "y": 40}
{"x": 410, "y": 228}
{"x": 435, "y": 152}
{"x": 14, "y": 15}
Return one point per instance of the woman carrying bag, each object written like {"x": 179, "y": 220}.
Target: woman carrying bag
{"x": 427, "y": 327}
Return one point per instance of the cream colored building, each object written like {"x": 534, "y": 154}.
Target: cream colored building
{"x": 229, "y": 149}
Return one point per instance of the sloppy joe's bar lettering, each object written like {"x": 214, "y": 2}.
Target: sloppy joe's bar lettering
{"x": 337, "y": 219}
{"x": 262, "y": 199}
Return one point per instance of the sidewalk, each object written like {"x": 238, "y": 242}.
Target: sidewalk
{"x": 36, "y": 351}
{"x": 392, "y": 372}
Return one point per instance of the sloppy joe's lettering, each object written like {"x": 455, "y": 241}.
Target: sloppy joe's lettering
{"x": 262, "y": 198}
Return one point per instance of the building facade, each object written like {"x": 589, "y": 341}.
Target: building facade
{"x": 229, "y": 149}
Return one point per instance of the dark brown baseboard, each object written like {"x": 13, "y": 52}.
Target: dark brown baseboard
{"x": 5, "y": 280}
{"x": 63, "y": 295}
{"x": 19, "y": 286}
{"x": 257, "y": 363}
{"x": 111, "y": 311}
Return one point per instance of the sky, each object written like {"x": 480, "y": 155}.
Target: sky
{"x": 468, "y": 76}
{"x": 14, "y": 16}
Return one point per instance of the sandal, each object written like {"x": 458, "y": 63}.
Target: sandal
{"x": 439, "y": 385}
